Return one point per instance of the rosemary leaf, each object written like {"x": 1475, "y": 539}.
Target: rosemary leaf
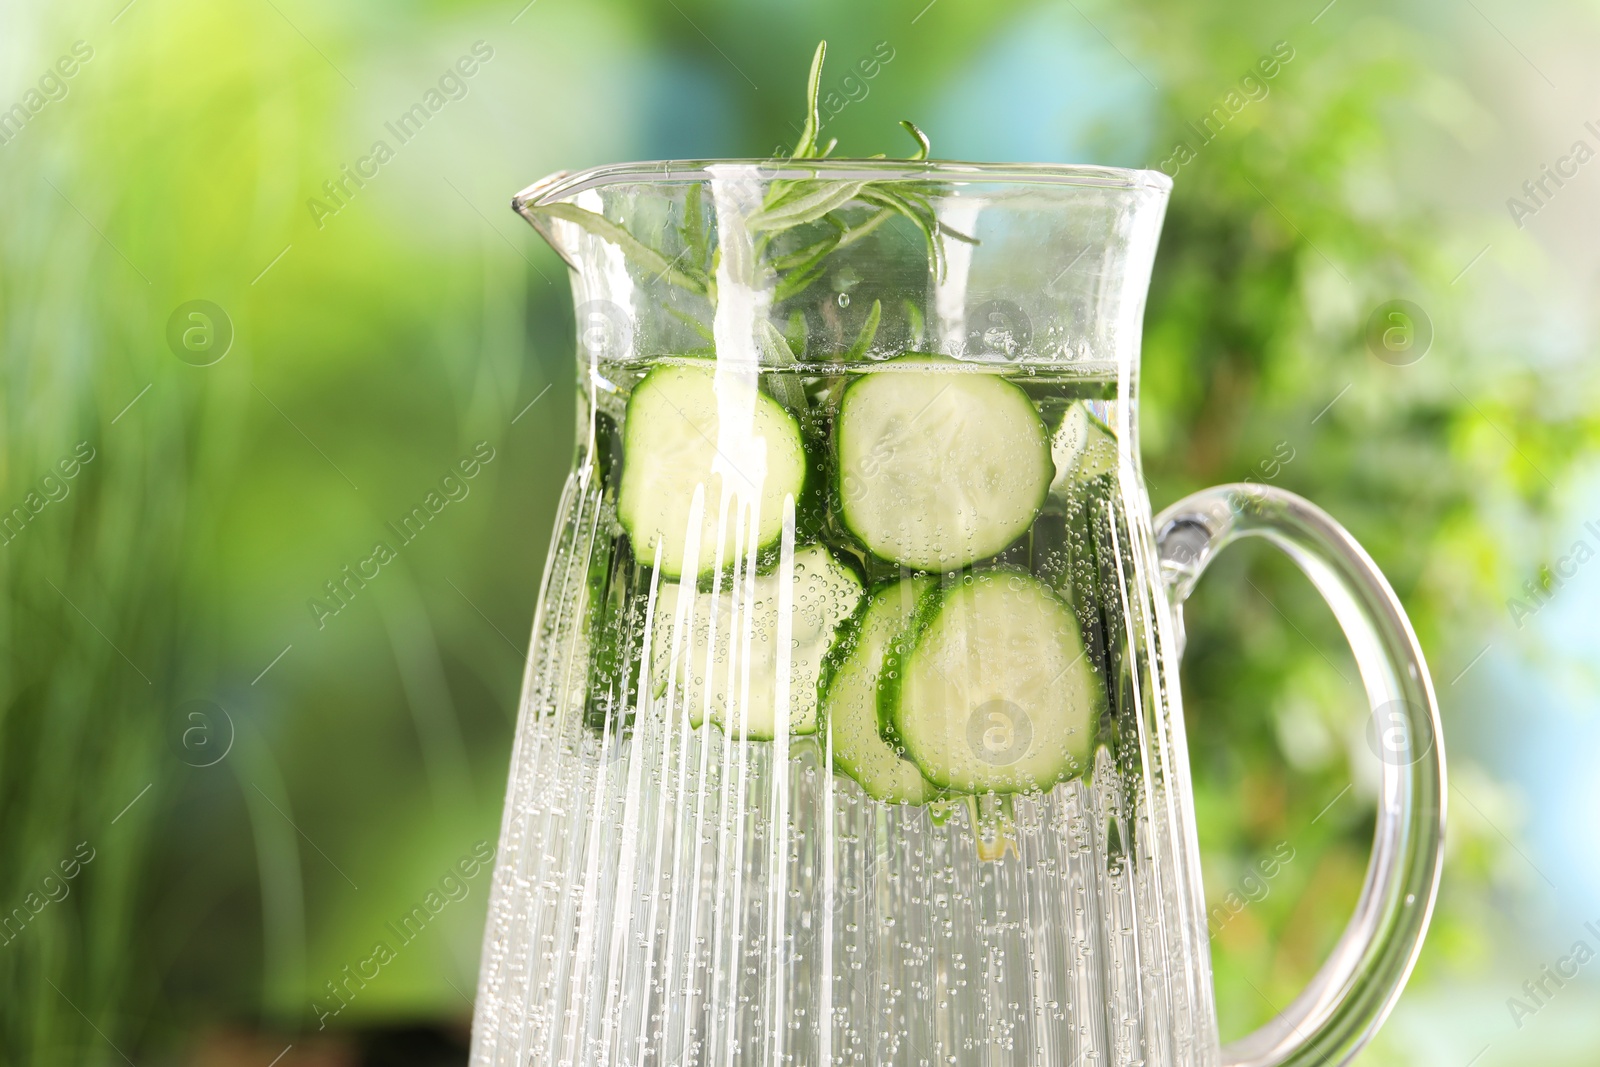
{"x": 918, "y": 199}
{"x": 795, "y": 282}
{"x": 694, "y": 322}
{"x": 795, "y": 333}
{"x": 869, "y": 330}
{"x": 807, "y": 202}
{"x": 914, "y": 324}
{"x": 775, "y": 351}
{"x": 924, "y": 146}
{"x": 924, "y": 220}
{"x": 688, "y": 278}
{"x": 694, "y": 225}
{"x": 807, "y": 146}
{"x": 856, "y": 233}
{"x": 809, "y": 255}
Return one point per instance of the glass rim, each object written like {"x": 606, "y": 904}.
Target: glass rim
{"x": 565, "y": 184}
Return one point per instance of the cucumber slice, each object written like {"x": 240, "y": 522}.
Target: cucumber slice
{"x": 711, "y": 678}
{"x": 1067, "y": 445}
{"x": 939, "y": 467}
{"x": 673, "y": 441}
{"x": 1083, "y": 448}
{"x": 995, "y": 693}
{"x": 850, "y": 696}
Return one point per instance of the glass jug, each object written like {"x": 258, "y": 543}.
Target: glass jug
{"x": 851, "y": 731}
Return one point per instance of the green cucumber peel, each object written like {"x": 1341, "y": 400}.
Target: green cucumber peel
{"x": 891, "y": 681}
{"x": 848, "y": 697}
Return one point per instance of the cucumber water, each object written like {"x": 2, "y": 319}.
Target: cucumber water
{"x": 942, "y": 632}
{"x": 849, "y": 731}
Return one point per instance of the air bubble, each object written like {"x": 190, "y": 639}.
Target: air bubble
{"x": 844, "y": 300}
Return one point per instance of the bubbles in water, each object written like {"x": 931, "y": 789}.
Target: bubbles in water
{"x": 844, "y": 300}
{"x": 938, "y": 956}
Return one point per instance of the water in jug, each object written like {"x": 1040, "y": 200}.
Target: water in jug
{"x": 851, "y": 731}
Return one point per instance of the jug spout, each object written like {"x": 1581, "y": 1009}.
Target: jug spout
{"x": 523, "y": 204}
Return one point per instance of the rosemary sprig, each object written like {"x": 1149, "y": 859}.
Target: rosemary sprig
{"x": 799, "y": 201}
{"x": 790, "y": 204}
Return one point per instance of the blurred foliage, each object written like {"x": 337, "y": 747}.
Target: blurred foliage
{"x": 365, "y": 756}
{"x": 1282, "y": 239}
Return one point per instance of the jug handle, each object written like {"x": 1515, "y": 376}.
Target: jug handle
{"x": 1343, "y": 1006}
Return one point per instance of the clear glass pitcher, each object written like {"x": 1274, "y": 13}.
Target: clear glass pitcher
{"x": 851, "y": 730}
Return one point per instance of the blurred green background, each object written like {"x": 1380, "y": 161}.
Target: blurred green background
{"x": 212, "y": 800}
